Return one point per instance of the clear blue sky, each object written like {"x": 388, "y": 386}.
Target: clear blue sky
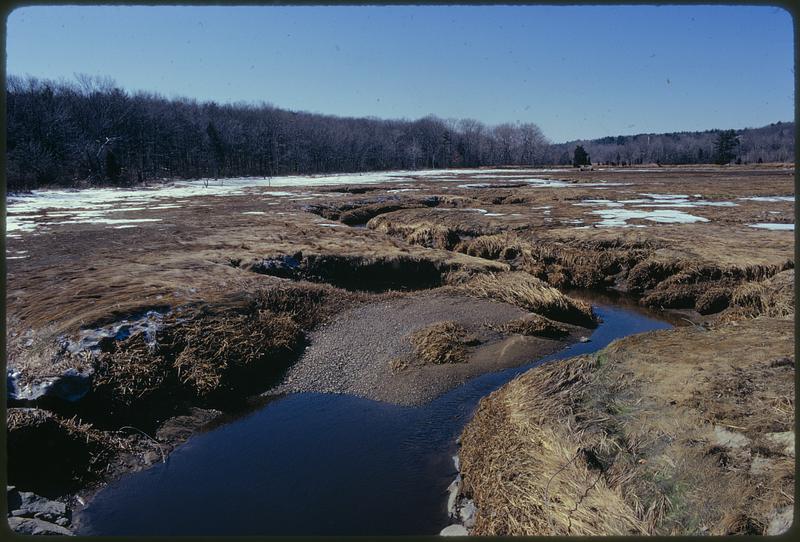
{"x": 578, "y": 72}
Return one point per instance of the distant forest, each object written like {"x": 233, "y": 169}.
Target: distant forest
{"x": 772, "y": 143}
{"x": 90, "y": 131}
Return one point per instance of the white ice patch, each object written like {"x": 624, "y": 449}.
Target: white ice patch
{"x": 604, "y": 202}
{"x": 92, "y": 220}
{"x": 475, "y": 185}
{"x": 678, "y": 203}
{"x": 253, "y": 213}
{"x": 665, "y": 196}
{"x": 471, "y": 209}
{"x": 494, "y": 214}
{"x": 325, "y": 225}
{"x": 774, "y": 227}
{"x": 617, "y": 217}
{"x": 770, "y": 199}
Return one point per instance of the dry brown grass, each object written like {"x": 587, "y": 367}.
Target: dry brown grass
{"x": 534, "y": 324}
{"x": 362, "y": 214}
{"x": 528, "y": 475}
{"x": 625, "y": 441}
{"x": 525, "y": 291}
{"x": 503, "y": 246}
{"x": 215, "y": 347}
{"x": 442, "y": 342}
{"x": 426, "y": 234}
{"x": 773, "y": 297}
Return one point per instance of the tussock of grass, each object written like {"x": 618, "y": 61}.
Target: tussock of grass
{"x": 212, "y": 348}
{"x": 426, "y": 234}
{"x": 204, "y": 352}
{"x": 707, "y": 289}
{"x": 525, "y": 291}
{"x": 492, "y": 247}
{"x": 582, "y": 264}
{"x": 773, "y": 297}
{"x": 132, "y": 371}
{"x": 442, "y": 342}
{"x": 362, "y": 214}
{"x": 534, "y": 324}
{"x": 647, "y": 274}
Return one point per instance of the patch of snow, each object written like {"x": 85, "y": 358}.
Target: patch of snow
{"x": 494, "y": 214}
{"x": 330, "y": 225}
{"x": 678, "y": 203}
{"x": 253, "y": 213}
{"x": 616, "y": 217}
{"x": 92, "y": 220}
{"x": 605, "y": 202}
{"x": 773, "y": 226}
{"x": 460, "y": 209}
{"x": 664, "y": 196}
{"x": 770, "y": 199}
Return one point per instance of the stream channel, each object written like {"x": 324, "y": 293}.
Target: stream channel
{"x": 322, "y": 464}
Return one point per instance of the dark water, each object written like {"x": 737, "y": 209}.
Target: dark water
{"x": 317, "y": 464}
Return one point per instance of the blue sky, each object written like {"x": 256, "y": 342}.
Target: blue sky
{"x": 577, "y": 72}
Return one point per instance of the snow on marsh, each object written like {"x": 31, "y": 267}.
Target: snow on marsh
{"x": 773, "y": 226}
{"x": 617, "y": 217}
{"x": 655, "y": 207}
{"x": 770, "y": 199}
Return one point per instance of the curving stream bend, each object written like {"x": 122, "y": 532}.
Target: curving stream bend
{"x": 319, "y": 464}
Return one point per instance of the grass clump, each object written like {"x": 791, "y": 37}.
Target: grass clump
{"x": 773, "y": 297}
{"x": 525, "y": 291}
{"x": 442, "y": 342}
{"x": 492, "y": 247}
{"x": 535, "y": 325}
{"x": 216, "y": 347}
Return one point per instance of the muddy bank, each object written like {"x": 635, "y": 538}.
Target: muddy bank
{"x": 687, "y": 431}
{"x": 367, "y": 350}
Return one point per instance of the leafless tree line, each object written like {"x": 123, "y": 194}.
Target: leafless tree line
{"x": 89, "y": 131}
{"x": 772, "y": 143}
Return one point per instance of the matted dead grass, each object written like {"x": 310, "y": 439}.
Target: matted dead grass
{"x": 773, "y": 297}
{"x": 442, "y": 342}
{"x": 534, "y": 324}
{"x": 526, "y": 291}
{"x": 636, "y": 439}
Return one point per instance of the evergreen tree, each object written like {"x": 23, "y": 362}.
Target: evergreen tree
{"x": 725, "y": 147}
{"x": 580, "y": 157}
